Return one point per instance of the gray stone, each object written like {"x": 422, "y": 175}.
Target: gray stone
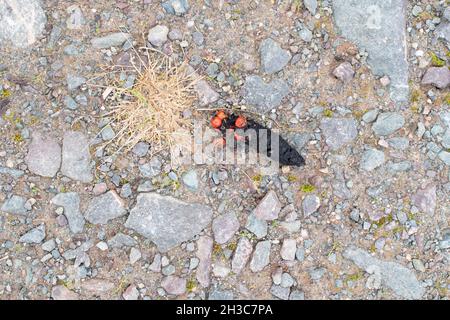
{"x": 273, "y": 57}
{"x": 219, "y": 294}
{"x": 121, "y": 240}
{"x": 338, "y": 132}
{"x": 311, "y": 5}
{"x": 151, "y": 169}
{"x": 370, "y": 116}
{"x": 35, "y": 235}
{"x": 177, "y": 7}
{"x": 76, "y": 159}
{"x": 286, "y": 280}
{"x": 74, "y": 81}
{"x": 304, "y": 33}
{"x": 264, "y": 96}
{"x": 157, "y": 35}
{"x": 15, "y": 173}
{"x": 379, "y": 27}
{"x": 60, "y": 292}
{"x": 104, "y": 208}
{"x": 288, "y": 249}
{"x": 198, "y": 38}
{"x": 443, "y": 32}
{"x": 280, "y": 292}
{"x": 438, "y": 77}
{"x": 175, "y": 34}
{"x": 206, "y": 94}
{"x": 135, "y": 255}
{"x": 344, "y": 72}
{"x": 297, "y": 295}
{"x": 445, "y": 157}
{"x": 49, "y": 245}
{"x": 269, "y": 207}
{"x": 141, "y": 149}
{"x": 257, "y": 226}
{"x": 398, "y": 278}
{"x": 446, "y": 139}
{"x": 110, "y": 40}
{"x": 167, "y": 221}
{"x": 107, "y": 133}
{"x": 70, "y": 201}
{"x": 15, "y": 205}
{"x": 399, "y": 143}
{"x": 387, "y": 123}
{"x": 174, "y": 285}
{"x": 242, "y": 254}
{"x": 76, "y": 20}
{"x": 261, "y": 256}
{"x": 399, "y": 166}
{"x": 126, "y": 191}
{"x": 310, "y": 204}
{"x": 372, "y": 159}
{"x": 44, "y": 155}
{"x": 204, "y": 253}
{"x": 425, "y": 199}
{"x": 224, "y": 227}
{"x": 70, "y": 103}
{"x": 190, "y": 180}
{"x": 21, "y": 22}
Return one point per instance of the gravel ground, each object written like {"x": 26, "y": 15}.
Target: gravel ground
{"x": 360, "y": 88}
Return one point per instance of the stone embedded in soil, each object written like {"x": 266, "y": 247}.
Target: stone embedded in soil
{"x": 74, "y": 81}
{"x": 44, "y": 155}
{"x": 176, "y": 7}
{"x": 76, "y": 20}
{"x": 105, "y": 208}
{"x": 70, "y": 201}
{"x": 445, "y": 157}
{"x": 60, "y": 292}
{"x": 387, "y": 123}
{"x": 372, "y": 159}
{"x": 241, "y": 255}
{"x": 261, "y": 256}
{"x": 280, "y": 292}
{"x": 35, "y": 235}
{"x": 110, "y": 40}
{"x": 344, "y": 72}
{"x": 174, "y": 285}
{"x": 339, "y": 132}
{"x": 379, "y": 27}
{"x": 97, "y": 286}
{"x": 167, "y": 221}
{"x": 398, "y": 278}
{"x": 121, "y": 240}
{"x": 256, "y": 226}
{"x": 21, "y": 22}
{"x": 190, "y": 180}
{"x": 269, "y": 207}
{"x": 310, "y": 204}
{"x": 288, "y": 249}
{"x": 15, "y": 205}
{"x": 425, "y": 199}
{"x": 264, "y": 96}
{"x": 224, "y": 227}
{"x": 151, "y": 169}
{"x": 76, "y": 158}
{"x": 15, "y": 173}
{"x": 273, "y": 57}
{"x": 131, "y": 293}
{"x": 204, "y": 253}
{"x": 206, "y": 94}
{"x": 438, "y": 77}
{"x": 157, "y": 35}
{"x": 311, "y": 6}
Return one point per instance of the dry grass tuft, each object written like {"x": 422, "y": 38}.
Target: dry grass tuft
{"x": 152, "y": 110}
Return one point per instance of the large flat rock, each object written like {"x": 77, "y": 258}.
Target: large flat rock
{"x": 21, "y": 22}
{"x": 44, "y": 155}
{"x": 76, "y": 159}
{"x": 167, "y": 221}
{"x": 379, "y": 27}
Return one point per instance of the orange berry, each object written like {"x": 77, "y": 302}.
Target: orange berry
{"x": 216, "y": 122}
{"x": 241, "y": 122}
{"x": 221, "y": 114}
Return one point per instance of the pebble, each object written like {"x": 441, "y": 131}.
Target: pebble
{"x": 261, "y": 256}
{"x": 157, "y": 35}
